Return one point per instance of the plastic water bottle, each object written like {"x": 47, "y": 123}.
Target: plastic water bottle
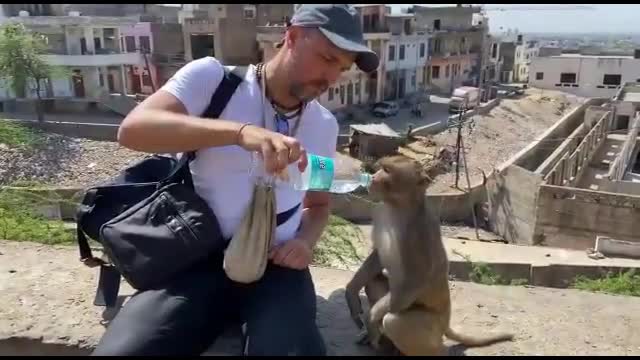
{"x": 321, "y": 174}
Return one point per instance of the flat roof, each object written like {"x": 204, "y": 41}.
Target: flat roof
{"x": 593, "y": 56}
{"x": 381, "y": 129}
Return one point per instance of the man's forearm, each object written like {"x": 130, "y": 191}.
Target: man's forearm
{"x": 314, "y": 220}
{"x": 151, "y": 130}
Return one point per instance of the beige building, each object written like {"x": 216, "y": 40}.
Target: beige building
{"x": 90, "y": 48}
{"x": 228, "y": 31}
{"x": 456, "y": 45}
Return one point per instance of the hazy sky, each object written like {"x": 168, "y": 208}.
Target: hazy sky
{"x": 604, "y": 18}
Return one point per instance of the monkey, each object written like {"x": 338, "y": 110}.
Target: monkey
{"x": 406, "y": 276}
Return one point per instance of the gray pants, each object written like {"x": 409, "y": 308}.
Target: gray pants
{"x": 186, "y": 317}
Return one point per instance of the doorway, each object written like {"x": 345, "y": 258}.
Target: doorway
{"x": 78, "y": 84}
{"x": 350, "y": 94}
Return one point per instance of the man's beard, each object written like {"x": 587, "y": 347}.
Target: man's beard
{"x": 298, "y": 91}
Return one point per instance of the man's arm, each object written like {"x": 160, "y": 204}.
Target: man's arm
{"x": 160, "y": 124}
{"x": 314, "y": 217}
{"x": 298, "y": 253}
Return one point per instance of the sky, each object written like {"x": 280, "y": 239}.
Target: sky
{"x": 612, "y": 18}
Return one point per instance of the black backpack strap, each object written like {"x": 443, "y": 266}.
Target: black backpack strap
{"x": 109, "y": 278}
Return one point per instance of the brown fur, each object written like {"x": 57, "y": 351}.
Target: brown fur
{"x": 411, "y": 305}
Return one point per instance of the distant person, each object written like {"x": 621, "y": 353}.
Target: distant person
{"x": 187, "y": 315}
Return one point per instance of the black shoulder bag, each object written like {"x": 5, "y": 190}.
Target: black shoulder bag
{"x": 151, "y": 223}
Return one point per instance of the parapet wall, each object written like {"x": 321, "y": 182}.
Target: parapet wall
{"x": 573, "y": 218}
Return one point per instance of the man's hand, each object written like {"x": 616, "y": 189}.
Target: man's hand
{"x": 294, "y": 254}
{"x": 277, "y": 150}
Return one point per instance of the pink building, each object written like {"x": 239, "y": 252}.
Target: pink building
{"x": 134, "y": 38}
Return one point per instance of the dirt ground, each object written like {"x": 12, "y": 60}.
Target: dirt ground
{"x": 500, "y": 134}
{"x": 46, "y": 307}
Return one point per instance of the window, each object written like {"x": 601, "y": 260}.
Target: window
{"x": 130, "y": 43}
{"x": 342, "y": 94}
{"x": 455, "y": 69}
{"x": 435, "y": 72}
{"x": 539, "y": 76}
{"x": 357, "y": 89}
{"x": 568, "y": 78}
{"x": 612, "y": 79}
{"x": 249, "y": 12}
{"x": 422, "y": 49}
{"x": 392, "y": 52}
{"x": 437, "y": 46}
{"x": 436, "y": 24}
{"x": 446, "y": 71}
{"x": 330, "y": 94}
{"x": 413, "y": 80}
{"x": 494, "y": 51}
{"x": 101, "y": 79}
{"x": 145, "y": 44}
{"x": 401, "y": 55}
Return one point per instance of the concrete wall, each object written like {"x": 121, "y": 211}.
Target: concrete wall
{"x": 512, "y": 196}
{"x": 99, "y": 132}
{"x": 412, "y": 58}
{"x": 531, "y": 157}
{"x": 589, "y": 70}
{"x": 341, "y": 90}
{"x": 446, "y": 84}
{"x": 452, "y": 207}
{"x": 573, "y": 218}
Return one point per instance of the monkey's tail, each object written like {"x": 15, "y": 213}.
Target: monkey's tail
{"x": 470, "y": 341}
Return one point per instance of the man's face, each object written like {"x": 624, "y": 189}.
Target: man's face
{"x": 314, "y": 63}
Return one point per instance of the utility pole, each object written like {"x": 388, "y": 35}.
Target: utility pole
{"x": 459, "y": 140}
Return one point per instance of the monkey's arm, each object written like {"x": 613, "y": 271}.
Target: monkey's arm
{"x": 370, "y": 268}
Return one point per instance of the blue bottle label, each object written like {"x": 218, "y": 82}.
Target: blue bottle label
{"x": 321, "y": 173}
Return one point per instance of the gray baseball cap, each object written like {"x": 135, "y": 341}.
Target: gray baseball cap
{"x": 340, "y": 23}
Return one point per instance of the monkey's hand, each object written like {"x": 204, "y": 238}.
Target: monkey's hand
{"x": 381, "y": 308}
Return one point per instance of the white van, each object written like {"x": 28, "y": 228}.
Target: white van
{"x": 465, "y": 96}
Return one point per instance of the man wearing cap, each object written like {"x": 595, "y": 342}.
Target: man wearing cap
{"x": 273, "y": 112}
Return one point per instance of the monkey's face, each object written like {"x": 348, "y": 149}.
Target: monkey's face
{"x": 398, "y": 179}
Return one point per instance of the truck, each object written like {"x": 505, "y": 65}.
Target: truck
{"x": 463, "y": 97}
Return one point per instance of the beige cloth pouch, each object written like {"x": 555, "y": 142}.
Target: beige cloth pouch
{"x": 246, "y": 257}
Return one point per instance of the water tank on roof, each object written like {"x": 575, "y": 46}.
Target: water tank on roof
{"x": 23, "y": 13}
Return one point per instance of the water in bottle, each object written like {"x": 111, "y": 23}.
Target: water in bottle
{"x": 322, "y": 174}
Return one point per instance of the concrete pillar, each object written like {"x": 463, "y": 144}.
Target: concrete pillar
{"x": 123, "y": 77}
{"x": 88, "y": 36}
{"x": 118, "y": 40}
{"x": 91, "y": 80}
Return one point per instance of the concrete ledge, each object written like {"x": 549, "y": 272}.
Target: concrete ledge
{"x": 91, "y": 131}
{"x": 46, "y": 309}
{"x": 57, "y": 203}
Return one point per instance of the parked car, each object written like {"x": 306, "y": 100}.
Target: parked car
{"x": 385, "y": 109}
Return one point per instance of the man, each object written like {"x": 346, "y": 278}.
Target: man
{"x": 186, "y": 316}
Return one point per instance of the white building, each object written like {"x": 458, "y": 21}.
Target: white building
{"x": 583, "y": 75}
{"x": 407, "y": 57}
{"x": 91, "y": 50}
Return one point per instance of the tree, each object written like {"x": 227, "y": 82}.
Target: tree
{"x": 22, "y": 64}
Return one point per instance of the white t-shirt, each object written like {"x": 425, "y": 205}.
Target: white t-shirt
{"x": 221, "y": 175}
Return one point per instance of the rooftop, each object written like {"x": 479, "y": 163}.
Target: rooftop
{"x": 375, "y": 129}
{"x": 74, "y": 20}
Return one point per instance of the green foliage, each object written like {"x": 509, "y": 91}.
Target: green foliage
{"x": 622, "y": 283}
{"x": 483, "y": 273}
{"x": 16, "y": 135}
{"x": 21, "y": 61}
{"x": 20, "y": 222}
{"x": 340, "y": 245}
